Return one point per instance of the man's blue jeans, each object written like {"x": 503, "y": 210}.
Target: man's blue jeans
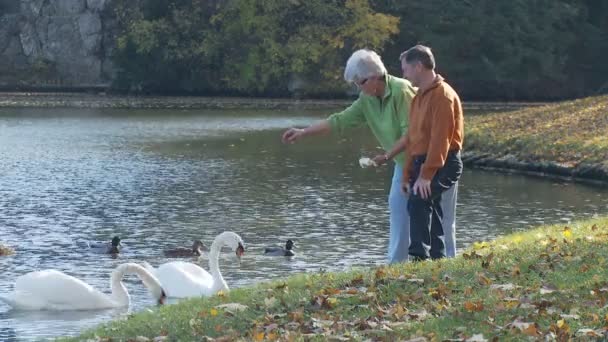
{"x": 399, "y": 239}
{"x": 427, "y": 238}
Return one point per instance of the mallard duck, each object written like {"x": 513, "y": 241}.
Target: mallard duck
{"x": 106, "y": 248}
{"x": 198, "y": 247}
{"x": 280, "y": 251}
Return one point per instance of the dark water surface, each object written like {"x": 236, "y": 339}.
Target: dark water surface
{"x": 161, "y": 178}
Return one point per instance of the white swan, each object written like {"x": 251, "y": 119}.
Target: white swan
{"x": 183, "y": 279}
{"x": 55, "y": 290}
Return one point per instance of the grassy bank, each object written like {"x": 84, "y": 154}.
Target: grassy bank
{"x": 548, "y": 282}
{"x": 570, "y": 134}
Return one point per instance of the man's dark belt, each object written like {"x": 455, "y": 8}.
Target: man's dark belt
{"x": 419, "y": 159}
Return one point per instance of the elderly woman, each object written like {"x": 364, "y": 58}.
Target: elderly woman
{"x": 383, "y": 105}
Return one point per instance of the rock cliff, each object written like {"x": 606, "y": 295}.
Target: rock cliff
{"x": 55, "y": 43}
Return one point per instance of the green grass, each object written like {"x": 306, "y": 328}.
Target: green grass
{"x": 571, "y": 133}
{"x": 548, "y": 282}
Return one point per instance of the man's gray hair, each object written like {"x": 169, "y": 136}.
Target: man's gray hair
{"x": 363, "y": 64}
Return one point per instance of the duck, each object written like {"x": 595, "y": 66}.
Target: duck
{"x": 113, "y": 247}
{"x": 280, "y": 251}
{"x": 198, "y": 247}
{"x": 184, "y": 279}
{"x": 54, "y": 290}
{"x": 5, "y": 250}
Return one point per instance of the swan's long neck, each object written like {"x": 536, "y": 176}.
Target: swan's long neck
{"x": 119, "y": 291}
{"x": 214, "y": 268}
{"x": 120, "y": 295}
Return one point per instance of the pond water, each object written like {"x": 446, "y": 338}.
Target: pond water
{"x": 162, "y": 178}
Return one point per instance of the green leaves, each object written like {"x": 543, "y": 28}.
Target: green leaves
{"x": 244, "y": 46}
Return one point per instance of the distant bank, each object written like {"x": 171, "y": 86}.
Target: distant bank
{"x": 104, "y": 100}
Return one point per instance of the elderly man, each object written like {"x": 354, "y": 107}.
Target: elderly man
{"x": 433, "y": 143}
{"x": 383, "y": 105}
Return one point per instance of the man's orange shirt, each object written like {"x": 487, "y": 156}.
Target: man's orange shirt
{"x": 436, "y": 127}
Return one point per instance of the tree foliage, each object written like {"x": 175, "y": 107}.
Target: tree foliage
{"x": 521, "y": 49}
{"x": 243, "y": 46}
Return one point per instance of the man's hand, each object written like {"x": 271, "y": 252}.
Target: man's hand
{"x": 422, "y": 188}
{"x": 291, "y": 135}
{"x": 380, "y": 159}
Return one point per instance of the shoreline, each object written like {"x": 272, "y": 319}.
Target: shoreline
{"x": 591, "y": 175}
{"x": 515, "y": 280}
{"x": 104, "y": 100}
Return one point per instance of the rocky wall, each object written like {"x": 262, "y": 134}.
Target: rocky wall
{"x": 55, "y": 44}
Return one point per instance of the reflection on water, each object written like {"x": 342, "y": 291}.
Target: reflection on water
{"x": 160, "y": 179}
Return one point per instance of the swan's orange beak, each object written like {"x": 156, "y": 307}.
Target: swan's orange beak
{"x": 240, "y": 250}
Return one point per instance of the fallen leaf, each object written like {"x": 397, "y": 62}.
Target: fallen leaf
{"x": 352, "y": 291}
{"x": 527, "y": 328}
{"x": 483, "y": 280}
{"x": 531, "y": 330}
{"x": 232, "y": 307}
{"x": 417, "y": 281}
{"x": 546, "y": 289}
{"x": 270, "y": 302}
{"x": 473, "y": 307}
{"x": 565, "y": 316}
{"x": 476, "y": 338}
{"x": 588, "y": 332}
{"x": 504, "y": 287}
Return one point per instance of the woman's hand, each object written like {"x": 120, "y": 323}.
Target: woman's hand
{"x": 380, "y": 159}
{"x": 291, "y": 135}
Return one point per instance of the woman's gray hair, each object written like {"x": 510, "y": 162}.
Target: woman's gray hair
{"x": 363, "y": 64}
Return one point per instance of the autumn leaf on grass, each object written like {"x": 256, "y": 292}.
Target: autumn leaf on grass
{"x": 567, "y": 316}
{"x": 515, "y": 271}
{"x": 356, "y": 281}
{"x": 476, "y": 338}
{"x": 282, "y": 287}
{"x": 259, "y": 336}
{"x": 473, "y": 307}
{"x": 323, "y": 302}
{"x": 471, "y": 256}
{"x": 560, "y": 328}
{"x": 504, "y": 287}
{"x": 398, "y": 311}
{"x": 480, "y": 245}
{"x": 547, "y": 288}
{"x": 329, "y": 291}
{"x": 511, "y": 302}
{"x": 485, "y": 263}
{"x": 270, "y": 302}
{"x": 380, "y": 273}
{"x": 483, "y": 280}
{"x": 590, "y": 332}
{"x": 232, "y": 308}
{"x": 528, "y": 328}
{"x": 418, "y": 315}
